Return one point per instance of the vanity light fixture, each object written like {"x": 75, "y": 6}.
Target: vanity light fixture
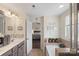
{"x": 7, "y": 13}
{"x": 13, "y": 15}
{"x": 33, "y": 6}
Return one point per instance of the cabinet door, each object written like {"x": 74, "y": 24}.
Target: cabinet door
{"x": 21, "y": 51}
{"x": 15, "y": 51}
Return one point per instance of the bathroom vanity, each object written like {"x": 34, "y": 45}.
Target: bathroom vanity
{"x": 14, "y": 27}
{"x": 15, "y": 48}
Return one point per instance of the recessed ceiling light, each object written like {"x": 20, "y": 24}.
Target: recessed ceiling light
{"x": 61, "y": 6}
{"x": 33, "y": 6}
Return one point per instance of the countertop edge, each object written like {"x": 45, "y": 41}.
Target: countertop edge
{"x": 6, "y": 48}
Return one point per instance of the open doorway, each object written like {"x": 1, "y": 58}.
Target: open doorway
{"x": 36, "y": 34}
{"x": 36, "y": 40}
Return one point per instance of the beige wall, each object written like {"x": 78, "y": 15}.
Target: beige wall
{"x": 51, "y": 27}
{"x": 14, "y": 22}
{"x": 2, "y": 17}
{"x": 46, "y": 33}
{"x": 62, "y": 24}
{"x": 35, "y": 25}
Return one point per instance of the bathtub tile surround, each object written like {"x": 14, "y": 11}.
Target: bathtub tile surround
{"x": 50, "y": 49}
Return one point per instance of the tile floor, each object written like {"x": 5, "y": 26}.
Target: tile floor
{"x": 36, "y": 52}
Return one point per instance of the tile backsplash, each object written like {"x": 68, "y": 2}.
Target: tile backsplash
{"x": 18, "y": 35}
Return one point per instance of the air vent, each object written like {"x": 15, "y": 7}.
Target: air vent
{"x": 33, "y": 6}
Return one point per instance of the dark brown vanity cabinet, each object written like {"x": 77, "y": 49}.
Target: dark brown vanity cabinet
{"x": 18, "y": 50}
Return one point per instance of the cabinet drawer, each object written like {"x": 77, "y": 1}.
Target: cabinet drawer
{"x": 15, "y": 53}
{"x": 21, "y": 50}
{"x": 15, "y": 49}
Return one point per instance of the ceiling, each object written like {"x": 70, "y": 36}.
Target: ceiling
{"x": 41, "y": 9}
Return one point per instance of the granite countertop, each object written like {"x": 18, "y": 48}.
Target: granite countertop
{"x": 10, "y": 46}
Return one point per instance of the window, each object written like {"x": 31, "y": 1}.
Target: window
{"x": 78, "y": 26}
{"x": 67, "y": 28}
